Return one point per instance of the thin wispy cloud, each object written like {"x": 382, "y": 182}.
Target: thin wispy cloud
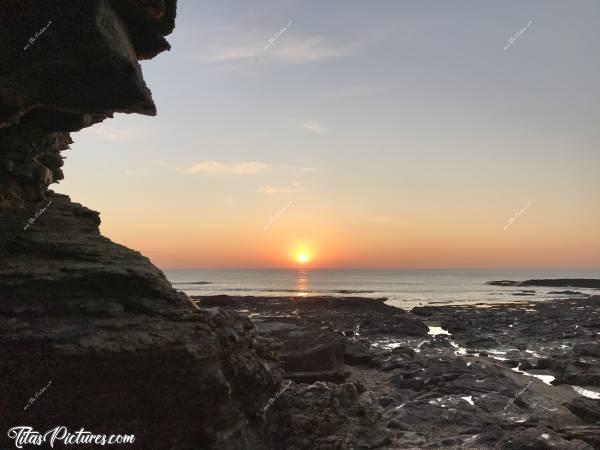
{"x": 280, "y": 189}
{"x": 219, "y": 168}
{"x": 312, "y": 125}
{"x": 299, "y": 51}
{"x": 233, "y": 53}
{"x": 113, "y": 134}
{"x": 289, "y": 50}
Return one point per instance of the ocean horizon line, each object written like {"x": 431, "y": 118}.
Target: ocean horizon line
{"x": 297, "y": 269}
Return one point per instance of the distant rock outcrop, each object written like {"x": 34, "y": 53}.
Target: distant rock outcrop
{"x": 552, "y": 282}
{"x": 119, "y": 350}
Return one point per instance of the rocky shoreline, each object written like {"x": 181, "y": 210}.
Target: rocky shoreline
{"x": 363, "y": 374}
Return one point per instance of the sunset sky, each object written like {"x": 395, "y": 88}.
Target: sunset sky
{"x": 395, "y": 134}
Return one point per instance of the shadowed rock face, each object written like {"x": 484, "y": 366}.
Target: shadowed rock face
{"x": 124, "y": 352}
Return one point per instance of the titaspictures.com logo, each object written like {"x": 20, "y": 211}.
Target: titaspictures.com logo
{"x": 24, "y": 435}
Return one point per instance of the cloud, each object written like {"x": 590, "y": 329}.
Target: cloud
{"x": 234, "y": 53}
{"x": 280, "y": 190}
{"x": 286, "y": 50}
{"x": 301, "y": 51}
{"x": 312, "y": 125}
{"x": 217, "y": 168}
{"x": 113, "y": 134}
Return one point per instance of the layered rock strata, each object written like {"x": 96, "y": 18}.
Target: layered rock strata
{"x": 92, "y": 335}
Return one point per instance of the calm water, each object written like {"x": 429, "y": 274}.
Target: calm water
{"x": 403, "y": 288}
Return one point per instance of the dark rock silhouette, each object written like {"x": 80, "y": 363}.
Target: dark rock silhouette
{"x": 125, "y": 353}
{"x": 552, "y": 282}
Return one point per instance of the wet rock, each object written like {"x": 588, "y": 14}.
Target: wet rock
{"x": 564, "y": 282}
{"x": 583, "y": 436}
{"x": 540, "y": 439}
{"x": 558, "y": 282}
{"x": 481, "y": 342}
{"x": 357, "y": 354}
{"x": 325, "y": 416}
{"x": 578, "y": 373}
{"x": 328, "y": 356}
{"x": 503, "y": 283}
{"x": 586, "y": 408}
{"x": 402, "y": 350}
{"x": 437, "y": 342}
{"x": 587, "y": 349}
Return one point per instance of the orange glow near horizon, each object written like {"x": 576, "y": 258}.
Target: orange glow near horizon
{"x": 327, "y": 241}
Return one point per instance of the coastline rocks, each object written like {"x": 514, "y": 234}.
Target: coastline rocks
{"x": 395, "y": 325}
{"x": 100, "y": 321}
{"x": 586, "y": 409}
{"x": 578, "y": 372}
{"x": 587, "y": 349}
{"x": 320, "y": 335}
{"x": 61, "y": 263}
{"x": 557, "y": 336}
{"x": 429, "y": 391}
{"x": 311, "y": 363}
{"x": 567, "y": 292}
{"x": 577, "y": 435}
{"x": 541, "y": 439}
{"x": 308, "y": 352}
{"x": 503, "y": 283}
{"x": 357, "y": 354}
{"x": 552, "y": 282}
{"x": 326, "y": 416}
{"x": 351, "y": 316}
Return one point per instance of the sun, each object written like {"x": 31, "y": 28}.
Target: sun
{"x": 303, "y": 257}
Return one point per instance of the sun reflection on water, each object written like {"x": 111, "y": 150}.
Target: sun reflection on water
{"x": 302, "y": 287}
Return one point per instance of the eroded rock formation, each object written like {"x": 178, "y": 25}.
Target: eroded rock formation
{"x": 123, "y": 352}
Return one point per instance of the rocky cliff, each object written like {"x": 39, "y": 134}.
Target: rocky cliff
{"x": 92, "y": 335}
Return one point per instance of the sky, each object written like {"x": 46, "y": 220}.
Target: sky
{"x": 382, "y": 134}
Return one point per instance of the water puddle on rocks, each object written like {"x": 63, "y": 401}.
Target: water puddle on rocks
{"x": 436, "y": 331}
{"x": 586, "y": 392}
{"x": 451, "y": 401}
{"x": 548, "y": 379}
{"x": 469, "y": 399}
{"x": 500, "y": 356}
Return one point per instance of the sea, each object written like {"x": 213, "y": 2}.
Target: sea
{"x": 403, "y": 288}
